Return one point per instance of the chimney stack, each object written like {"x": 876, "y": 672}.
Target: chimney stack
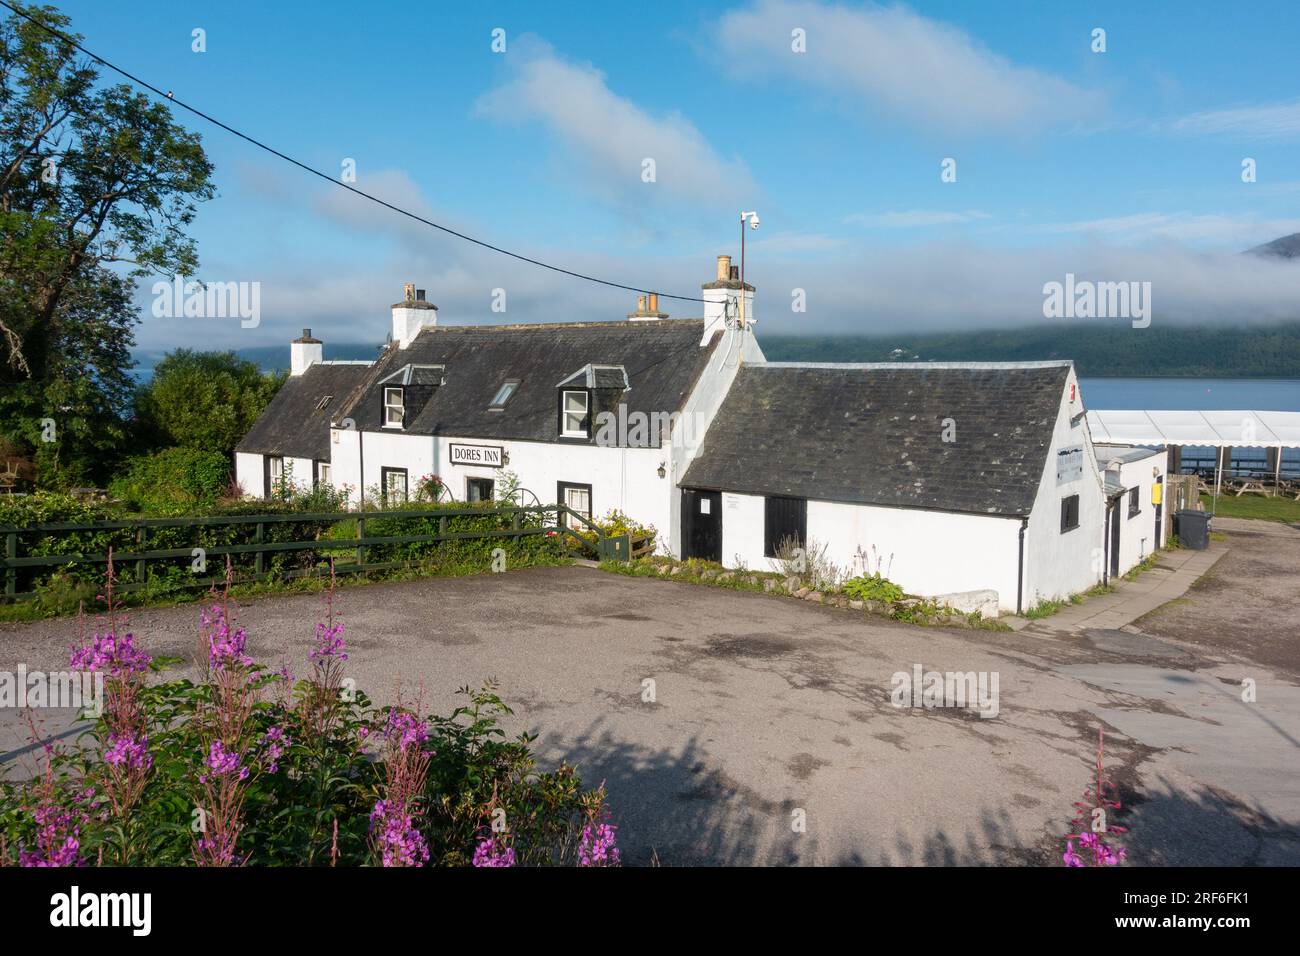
{"x": 722, "y": 299}
{"x": 647, "y": 309}
{"x": 304, "y": 353}
{"x": 412, "y": 315}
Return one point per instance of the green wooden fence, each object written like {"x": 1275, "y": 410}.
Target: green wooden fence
{"x": 549, "y": 520}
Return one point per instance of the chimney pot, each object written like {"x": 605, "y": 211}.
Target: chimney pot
{"x": 306, "y": 333}
{"x": 640, "y": 303}
{"x": 654, "y": 302}
{"x": 735, "y": 274}
{"x": 724, "y": 267}
{"x": 419, "y": 295}
{"x": 408, "y": 291}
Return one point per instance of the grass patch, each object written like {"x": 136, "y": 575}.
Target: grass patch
{"x": 1257, "y": 507}
{"x": 1047, "y": 608}
{"x": 1146, "y": 564}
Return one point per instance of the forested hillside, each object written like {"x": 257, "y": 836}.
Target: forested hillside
{"x": 1098, "y": 351}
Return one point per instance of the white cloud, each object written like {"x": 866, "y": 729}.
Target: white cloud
{"x": 916, "y": 218}
{"x": 1271, "y": 121}
{"x": 610, "y": 136}
{"x": 851, "y": 286}
{"x": 927, "y": 72}
{"x": 1230, "y": 231}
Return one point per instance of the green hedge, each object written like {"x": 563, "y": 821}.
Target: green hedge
{"x": 165, "y": 575}
{"x": 176, "y": 478}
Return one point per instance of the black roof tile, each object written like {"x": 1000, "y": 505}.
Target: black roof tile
{"x": 292, "y": 425}
{"x": 874, "y": 435}
{"x": 662, "y": 360}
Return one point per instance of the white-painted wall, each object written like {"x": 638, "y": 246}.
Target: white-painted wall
{"x": 924, "y": 552}
{"x": 251, "y": 475}
{"x": 621, "y": 478}
{"x": 734, "y": 349}
{"x": 1137, "y": 535}
{"x": 1058, "y": 564}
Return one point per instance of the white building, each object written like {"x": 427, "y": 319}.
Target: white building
{"x": 945, "y": 477}
{"x": 598, "y": 416}
{"x": 1133, "y": 479}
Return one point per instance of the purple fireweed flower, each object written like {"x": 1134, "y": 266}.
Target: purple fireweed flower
{"x": 1100, "y": 851}
{"x": 128, "y": 752}
{"x": 597, "y": 846}
{"x": 58, "y": 838}
{"x": 117, "y": 655}
{"x": 487, "y": 854}
{"x": 223, "y": 762}
{"x": 406, "y": 728}
{"x": 400, "y": 843}
{"x": 225, "y": 644}
{"x": 329, "y": 642}
{"x": 274, "y": 740}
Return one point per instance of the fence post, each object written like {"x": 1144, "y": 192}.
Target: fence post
{"x": 514, "y": 526}
{"x": 361, "y": 551}
{"x": 140, "y": 570}
{"x": 11, "y": 573}
{"x": 259, "y": 563}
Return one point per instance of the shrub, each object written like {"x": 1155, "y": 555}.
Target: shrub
{"x": 175, "y": 479}
{"x": 615, "y": 524}
{"x": 251, "y": 766}
{"x": 873, "y": 587}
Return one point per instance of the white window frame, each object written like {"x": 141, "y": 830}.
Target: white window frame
{"x": 323, "y": 473}
{"x": 386, "y": 475}
{"x": 565, "y": 412}
{"x": 390, "y": 407}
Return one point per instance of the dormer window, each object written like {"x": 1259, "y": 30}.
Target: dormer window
{"x": 394, "y": 407}
{"x": 502, "y": 396}
{"x": 575, "y": 420}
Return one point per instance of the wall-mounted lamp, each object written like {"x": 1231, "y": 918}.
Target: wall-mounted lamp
{"x": 505, "y": 457}
{"x": 663, "y": 472}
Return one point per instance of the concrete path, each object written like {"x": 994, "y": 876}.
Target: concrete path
{"x": 1175, "y": 572}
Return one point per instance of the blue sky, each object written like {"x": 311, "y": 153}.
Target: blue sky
{"x": 1121, "y": 165}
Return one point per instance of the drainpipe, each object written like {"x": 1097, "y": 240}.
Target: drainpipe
{"x": 1105, "y": 551}
{"x": 361, "y": 463}
{"x": 1020, "y": 567}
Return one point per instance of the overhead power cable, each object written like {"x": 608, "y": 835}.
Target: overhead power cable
{"x": 171, "y": 98}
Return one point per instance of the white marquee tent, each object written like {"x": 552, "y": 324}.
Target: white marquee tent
{"x": 1220, "y": 429}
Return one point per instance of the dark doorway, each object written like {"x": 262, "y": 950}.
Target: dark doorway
{"x": 702, "y": 524}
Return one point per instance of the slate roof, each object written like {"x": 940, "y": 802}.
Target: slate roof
{"x": 662, "y": 361}
{"x": 292, "y": 425}
{"x": 872, "y": 434}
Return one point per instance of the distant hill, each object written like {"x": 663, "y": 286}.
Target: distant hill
{"x": 1287, "y": 247}
{"x": 1099, "y": 351}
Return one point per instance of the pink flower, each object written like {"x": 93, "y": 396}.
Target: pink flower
{"x": 487, "y": 854}
{"x": 108, "y": 652}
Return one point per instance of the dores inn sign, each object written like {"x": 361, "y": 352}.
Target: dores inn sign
{"x": 488, "y": 455}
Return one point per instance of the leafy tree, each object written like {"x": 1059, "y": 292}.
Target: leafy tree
{"x": 206, "y": 400}
{"x": 97, "y": 187}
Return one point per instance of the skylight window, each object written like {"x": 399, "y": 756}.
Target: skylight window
{"x": 320, "y": 406}
{"x": 503, "y": 394}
